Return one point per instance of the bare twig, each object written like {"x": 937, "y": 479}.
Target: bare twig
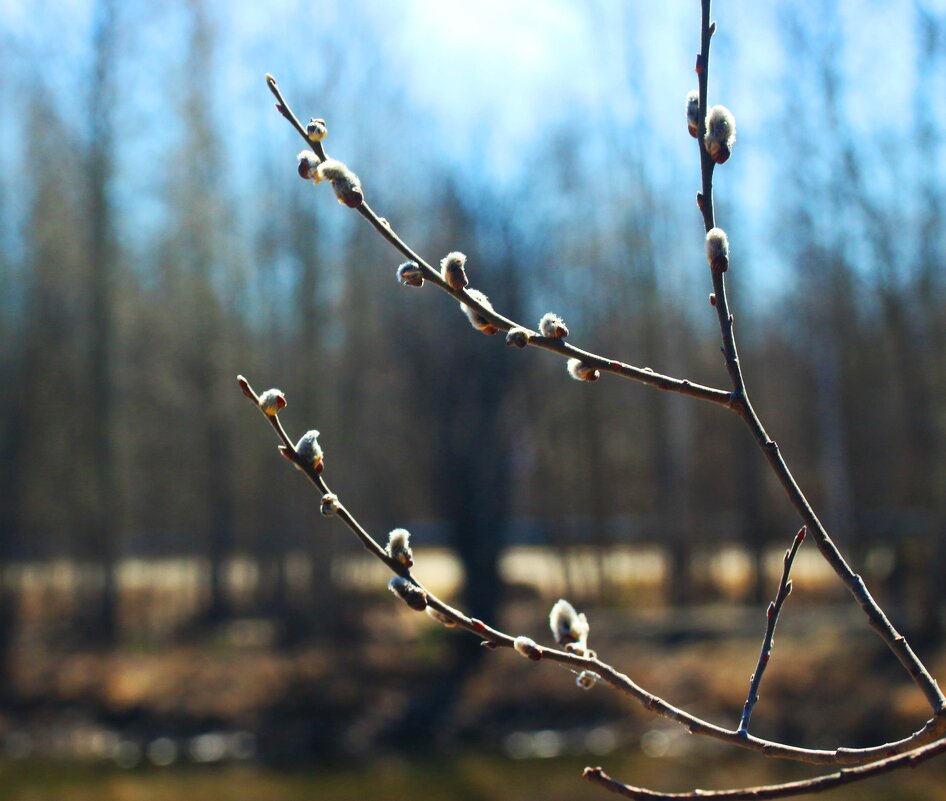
{"x": 818, "y": 784}
{"x": 742, "y": 406}
{"x": 775, "y": 608}
{"x": 608, "y": 673}
{"x": 908, "y": 751}
{"x": 737, "y": 400}
{"x": 642, "y": 374}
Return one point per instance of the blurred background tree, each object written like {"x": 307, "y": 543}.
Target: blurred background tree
{"x": 155, "y": 242}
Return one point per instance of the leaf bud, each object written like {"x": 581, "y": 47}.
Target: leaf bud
{"x": 308, "y": 165}
{"x": 580, "y": 371}
{"x": 316, "y": 131}
{"x": 693, "y": 113}
{"x": 586, "y": 679}
{"x": 452, "y": 270}
{"x": 409, "y": 592}
{"x": 477, "y": 320}
{"x": 345, "y": 183}
{"x": 553, "y": 326}
{"x": 399, "y": 547}
{"x": 309, "y": 450}
{"x": 528, "y": 648}
{"x": 717, "y": 249}
{"x": 329, "y": 504}
{"x": 271, "y": 401}
{"x": 519, "y": 337}
{"x": 441, "y": 618}
{"x": 720, "y": 133}
{"x": 410, "y": 274}
{"x": 568, "y": 627}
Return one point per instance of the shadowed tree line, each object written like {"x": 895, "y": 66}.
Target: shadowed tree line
{"x": 146, "y": 268}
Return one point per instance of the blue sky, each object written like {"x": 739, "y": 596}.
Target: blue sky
{"x": 481, "y": 84}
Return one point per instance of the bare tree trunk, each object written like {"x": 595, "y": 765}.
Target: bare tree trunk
{"x": 102, "y": 281}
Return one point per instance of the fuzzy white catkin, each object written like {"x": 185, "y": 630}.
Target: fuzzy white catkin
{"x": 308, "y": 165}
{"x": 309, "y": 449}
{"x": 346, "y": 184}
{"x": 408, "y": 592}
{"x": 580, "y": 371}
{"x": 693, "y": 113}
{"x": 316, "y": 131}
{"x": 271, "y": 401}
{"x": 527, "y": 647}
{"x": 567, "y": 625}
{"x": 410, "y": 274}
{"x": 477, "y": 320}
{"x": 553, "y": 326}
{"x": 519, "y": 337}
{"x": 440, "y": 617}
{"x": 717, "y": 249}
{"x": 453, "y": 270}
{"x": 329, "y": 504}
{"x": 399, "y": 546}
{"x": 720, "y": 133}
{"x": 586, "y": 679}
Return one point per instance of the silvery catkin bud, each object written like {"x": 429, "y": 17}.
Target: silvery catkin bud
{"x": 308, "y": 165}
{"x": 568, "y": 627}
{"x": 580, "y": 371}
{"x": 271, "y": 401}
{"x": 309, "y": 450}
{"x": 316, "y": 131}
{"x": 528, "y": 648}
{"x": 553, "y": 326}
{"x": 477, "y": 320}
{"x": 693, "y": 113}
{"x": 518, "y": 337}
{"x": 441, "y": 618}
{"x": 329, "y": 504}
{"x": 717, "y": 249}
{"x": 410, "y": 274}
{"x": 720, "y": 133}
{"x": 409, "y": 592}
{"x": 345, "y": 183}
{"x": 452, "y": 270}
{"x": 399, "y": 547}
{"x": 586, "y": 679}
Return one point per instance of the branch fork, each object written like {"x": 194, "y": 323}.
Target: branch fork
{"x": 715, "y": 135}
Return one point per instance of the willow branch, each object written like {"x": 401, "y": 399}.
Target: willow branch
{"x": 774, "y": 610}
{"x": 643, "y": 375}
{"x": 578, "y": 662}
{"x": 742, "y": 406}
{"x": 818, "y": 784}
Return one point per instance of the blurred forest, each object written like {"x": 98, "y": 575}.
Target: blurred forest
{"x": 162, "y": 569}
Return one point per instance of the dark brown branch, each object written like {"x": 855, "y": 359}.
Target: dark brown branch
{"x": 818, "y": 784}
{"x": 609, "y": 674}
{"x": 741, "y": 404}
{"x": 643, "y": 375}
{"x": 775, "y": 608}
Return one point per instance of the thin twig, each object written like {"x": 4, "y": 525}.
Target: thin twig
{"x": 741, "y": 405}
{"x": 642, "y": 374}
{"x": 775, "y": 608}
{"x": 608, "y": 673}
{"x": 898, "y": 753}
{"x": 819, "y": 784}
